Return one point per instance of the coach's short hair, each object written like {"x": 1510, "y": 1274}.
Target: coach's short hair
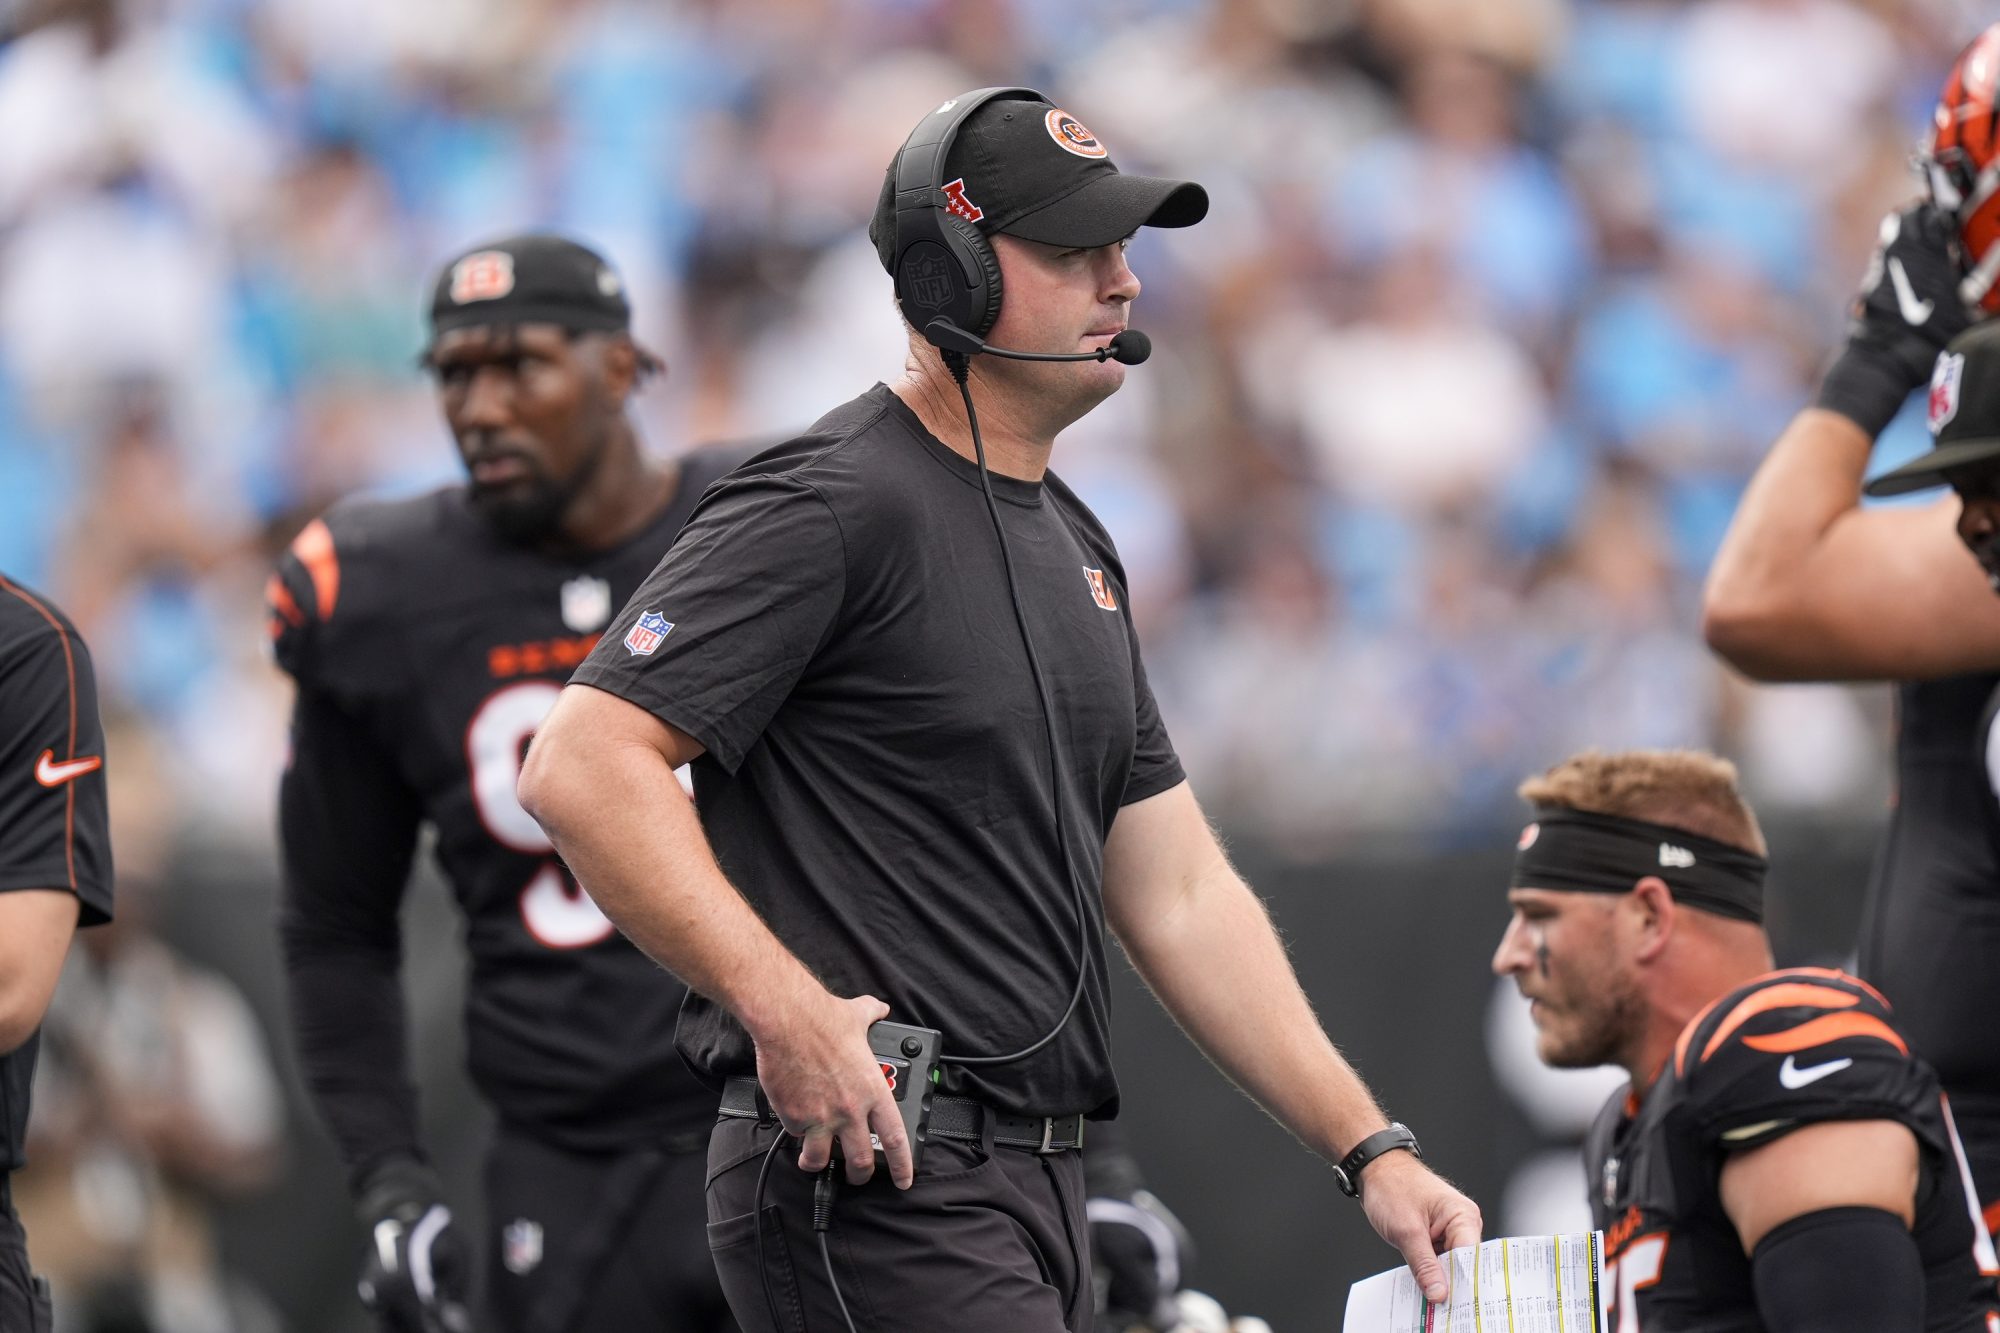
{"x": 1684, "y": 789}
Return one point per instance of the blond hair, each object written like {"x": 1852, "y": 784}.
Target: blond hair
{"x": 1689, "y": 790}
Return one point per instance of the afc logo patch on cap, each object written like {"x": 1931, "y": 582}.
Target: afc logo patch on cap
{"x": 958, "y": 205}
{"x": 1945, "y": 379}
{"x": 1070, "y": 135}
{"x": 651, "y": 631}
{"x": 486, "y": 276}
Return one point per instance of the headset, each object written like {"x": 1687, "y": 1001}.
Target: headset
{"x": 948, "y": 284}
{"x": 947, "y": 276}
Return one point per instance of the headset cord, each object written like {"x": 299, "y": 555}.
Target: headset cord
{"x": 957, "y": 363}
{"x": 757, "y": 1223}
{"x": 823, "y": 1192}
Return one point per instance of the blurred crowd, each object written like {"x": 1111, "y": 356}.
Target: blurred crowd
{"x": 1497, "y": 307}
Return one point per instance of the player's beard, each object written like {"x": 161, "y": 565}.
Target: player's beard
{"x": 529, "y": 512}
{"x": 1601, "y": 1028}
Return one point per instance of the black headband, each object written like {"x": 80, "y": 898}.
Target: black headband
{"x": 1581, "y": 852}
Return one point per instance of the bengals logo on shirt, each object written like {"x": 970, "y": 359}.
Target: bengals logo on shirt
{"x": 1100, "y": 589}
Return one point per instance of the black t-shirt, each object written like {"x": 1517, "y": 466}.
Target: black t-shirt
{"x": 1931, "y": 932}
{"x": 427, "y": 650}
{"x": 1785, "y": 1050}
{"x": 834, "y": 626}
{"x": 53, "y": 829}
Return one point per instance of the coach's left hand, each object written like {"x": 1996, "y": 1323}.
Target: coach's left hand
{"x": 1420, "y": 1213}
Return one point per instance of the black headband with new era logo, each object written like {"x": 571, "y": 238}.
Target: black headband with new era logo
{"x": 1582, "y": 852}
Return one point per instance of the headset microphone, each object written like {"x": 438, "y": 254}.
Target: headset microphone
{"x": 1129, "y": 347}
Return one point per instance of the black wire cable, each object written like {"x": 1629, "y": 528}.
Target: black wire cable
{"x": 959, "y": 367}
{"x": 757, "y": 1221}
{"x": 823, "y": 1192}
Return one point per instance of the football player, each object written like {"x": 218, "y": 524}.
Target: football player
{"x": 55, "y": 873}
{"x": 427, "y": 637}
{"x": 1780, "y": 1162}
{"x": 1810, "y": 586}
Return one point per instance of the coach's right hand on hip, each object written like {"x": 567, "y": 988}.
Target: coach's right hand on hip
{"x": 825, "y": 1085}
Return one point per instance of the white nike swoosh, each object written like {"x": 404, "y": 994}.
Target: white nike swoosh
{"x": 1914, "y": 311}
{"x": 1795, "y": 1078}
{"x": 52, "y": 774}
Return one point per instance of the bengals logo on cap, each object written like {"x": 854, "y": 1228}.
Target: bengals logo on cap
{"x": 1070, "y": 135}
{"x": 486, "y": 276}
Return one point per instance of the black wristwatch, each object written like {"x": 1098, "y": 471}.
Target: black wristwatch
{"x": 1347, "y": 1172}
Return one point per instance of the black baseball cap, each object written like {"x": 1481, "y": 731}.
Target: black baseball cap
{"x": 1032, "y": 170}
{"x": 532, "y": 279}
{"x": 1964, "y": 414}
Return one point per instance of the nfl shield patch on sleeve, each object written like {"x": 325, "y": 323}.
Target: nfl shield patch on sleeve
{"x": 648, "y": 634}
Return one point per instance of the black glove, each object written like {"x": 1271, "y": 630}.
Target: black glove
{"x": 1908, "y": 308}
{"x": 417, "y": 1270}
{"x": 1139, "y": 1250}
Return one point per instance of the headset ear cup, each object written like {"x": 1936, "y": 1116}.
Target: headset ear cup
{"x": 982, "y": 302}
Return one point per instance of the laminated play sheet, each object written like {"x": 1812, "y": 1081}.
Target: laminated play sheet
{"x": 1518, "y": 1284}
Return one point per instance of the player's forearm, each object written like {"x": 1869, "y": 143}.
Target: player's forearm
{"x": 1216, "y": 963}
{"x": 630, "y": 835}
{"x": 1765, "y": 594}
{"x": 348, "y": 1029}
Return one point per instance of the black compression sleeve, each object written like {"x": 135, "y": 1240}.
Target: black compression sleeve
{"x": 348, "y": 826}
{"x": 1840, "y": 1270}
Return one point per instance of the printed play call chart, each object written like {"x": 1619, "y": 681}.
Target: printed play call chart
{"x": 1518, "y": 1284}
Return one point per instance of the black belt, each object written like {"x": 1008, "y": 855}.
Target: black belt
{"x": 951, "y": 1118}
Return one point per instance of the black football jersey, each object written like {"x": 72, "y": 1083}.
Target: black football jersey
{"x": 1788, "y": 1049}
{"x": 427, "y": 650}
{"x": 54, "y": 830}
{"x": 1931, "y": 932}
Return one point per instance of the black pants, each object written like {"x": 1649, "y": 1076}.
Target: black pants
{"x": 988, "y": 1240}
{"x": 597, "y": 1243}
{"x": 24, "y": 1298}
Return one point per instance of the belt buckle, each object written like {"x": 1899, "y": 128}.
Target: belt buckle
{"x": 1048, "y": 1135}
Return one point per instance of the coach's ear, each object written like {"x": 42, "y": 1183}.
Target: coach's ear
{"x": 1652, "y": 909}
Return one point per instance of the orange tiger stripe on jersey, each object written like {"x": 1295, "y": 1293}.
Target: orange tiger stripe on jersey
{"x": 1786, "y": 995}
{"x": 280, "y": 600}
{"x": 314, "y": 548}
{"x": 1828, "y": 1027}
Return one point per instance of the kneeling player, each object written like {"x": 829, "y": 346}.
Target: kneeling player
{"x": 1779, "y": 1161}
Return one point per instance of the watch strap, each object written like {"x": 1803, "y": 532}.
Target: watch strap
{"x": 1347, "y": 1172}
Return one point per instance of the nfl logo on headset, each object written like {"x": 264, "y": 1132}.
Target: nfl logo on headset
{"x": 930, "y": 278}
{"x": 648, "y": 634}
{"x": 1944, "y": 389}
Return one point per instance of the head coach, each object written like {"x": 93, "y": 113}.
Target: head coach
{"x": 929, "y": 772}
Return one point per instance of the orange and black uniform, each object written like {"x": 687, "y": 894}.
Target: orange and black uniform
{"x": 1930, "y": 937}
{"x": 1786, "y": 1050}
{"x": 427, "y": 650}
{"x": 53, "y": 835}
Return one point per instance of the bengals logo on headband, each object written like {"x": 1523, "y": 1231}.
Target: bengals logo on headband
{"x": 1528, "y": 836}
{"x": 1070, "y": 135}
